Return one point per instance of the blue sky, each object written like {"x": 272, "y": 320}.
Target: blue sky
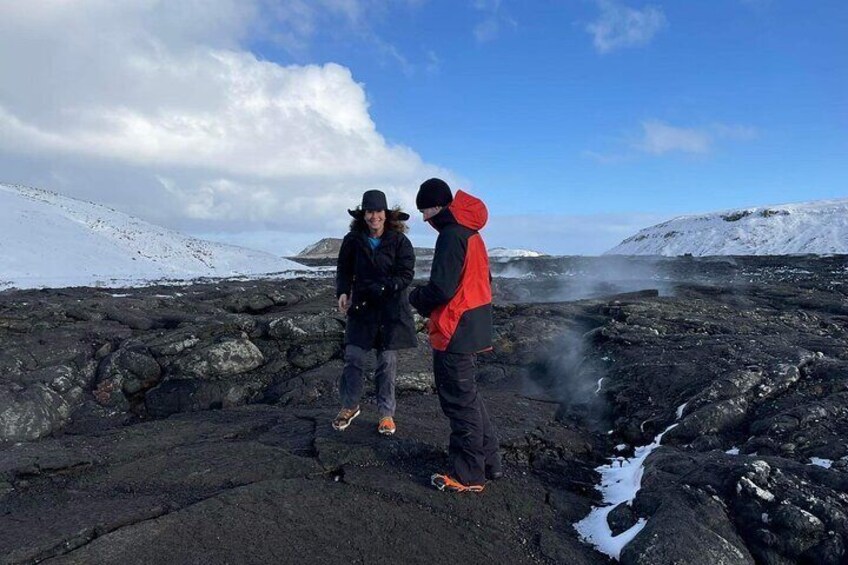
{"x": 578, "y": 122}
{"x": 537, "y": 110}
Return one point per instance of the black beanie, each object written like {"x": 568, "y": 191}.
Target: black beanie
{"x": 433, "y": 192}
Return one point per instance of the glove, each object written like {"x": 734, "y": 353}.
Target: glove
{"x": 377, "y": 290}
{"x": 415, "y": 302}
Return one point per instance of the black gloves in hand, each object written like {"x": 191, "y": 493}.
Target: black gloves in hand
{"x": 377, "y": 290}
{"x": 415, "y": 302}
{"x": 374, "y": 290}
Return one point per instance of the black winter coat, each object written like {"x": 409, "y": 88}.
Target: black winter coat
{"x": 377, "y": 284}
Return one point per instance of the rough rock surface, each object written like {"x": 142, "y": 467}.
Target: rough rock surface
{"x": 191, "y": 424}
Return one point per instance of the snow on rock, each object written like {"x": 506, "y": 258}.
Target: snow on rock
{"x": 818, "y": 228}
{"x": 505, "y": 253}
{"x": 818, "y": 461}
{"x": 49, "y": 240}
{"x": 620, "y": 481}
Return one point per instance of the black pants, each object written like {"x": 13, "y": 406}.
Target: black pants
{"x": 473, "y": 443}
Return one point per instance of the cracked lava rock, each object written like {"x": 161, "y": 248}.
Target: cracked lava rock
{"x": 191, "y": 424}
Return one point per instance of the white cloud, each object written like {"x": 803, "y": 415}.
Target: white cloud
{"x": 620, "y": 26}
{"x": 659, "y": 137}
{"x": 296, "y": 25}
{"x": 161, "y": 97}
{"x": 494, "y": 20}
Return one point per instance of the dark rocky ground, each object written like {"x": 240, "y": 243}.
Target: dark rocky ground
{"x": 191, "y": 424}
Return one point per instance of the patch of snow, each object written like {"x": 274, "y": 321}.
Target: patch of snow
{"x": 826, "y": 463}
{"x": 49, "y": 240}
{"x": 680, "y": 410}
{"x": 620, "y": 481}
{"x": 505, "y": 253}
{"x": 733, "y": 451}
{"x": 620, "y": 447}
{"x": 819, "y": 227}
{"x": 748, "y": 485}
{"x": 600, "y": 382}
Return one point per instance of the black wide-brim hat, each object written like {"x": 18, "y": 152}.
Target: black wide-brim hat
{"x": 376, "y": 200}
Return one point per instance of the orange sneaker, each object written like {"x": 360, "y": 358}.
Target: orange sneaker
{"x": 387, "y": 426}
{"x": 344, "y": 418}
{"x": 445, "y": 482}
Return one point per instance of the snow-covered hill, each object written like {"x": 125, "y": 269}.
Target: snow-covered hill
{"x": 49, "y": 240}
{"x": 505, "y": 253}
{"x": 327, "y": 247}
{"x": 817, "y": 228}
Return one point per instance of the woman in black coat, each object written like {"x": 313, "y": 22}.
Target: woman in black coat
{"x": 376, "y": 264}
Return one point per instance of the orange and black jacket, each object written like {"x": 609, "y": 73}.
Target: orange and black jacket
{"x": 458, "y": 297}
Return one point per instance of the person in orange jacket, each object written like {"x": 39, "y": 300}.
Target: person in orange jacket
{"x": 458, "y": 301}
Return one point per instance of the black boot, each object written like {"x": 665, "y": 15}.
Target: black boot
{"x": 494, "y": 469}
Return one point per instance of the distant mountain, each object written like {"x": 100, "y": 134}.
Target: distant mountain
{"x": 817, "y": 228}
{"x": 49, "y": 240}
{"x": 325, "y": 248}
{"x": 328, "y": 248}
{"x": 505, "y": 253}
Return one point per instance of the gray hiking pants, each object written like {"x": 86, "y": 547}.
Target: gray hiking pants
{"x": 352, "y": 381}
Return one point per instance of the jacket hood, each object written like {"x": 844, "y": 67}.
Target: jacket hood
{"x": 469, "y": 211}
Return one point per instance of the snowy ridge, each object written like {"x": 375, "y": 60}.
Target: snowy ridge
{"x": 49, "y": 240}
{"x": 818, "y": 228}
{"x": 327, "y": 247}
{"x": 505, "y": 253}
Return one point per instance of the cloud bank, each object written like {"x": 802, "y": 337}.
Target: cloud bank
{"x": 156, "y": 108}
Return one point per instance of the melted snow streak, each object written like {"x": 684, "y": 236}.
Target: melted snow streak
{"x": 620, "y": 481}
